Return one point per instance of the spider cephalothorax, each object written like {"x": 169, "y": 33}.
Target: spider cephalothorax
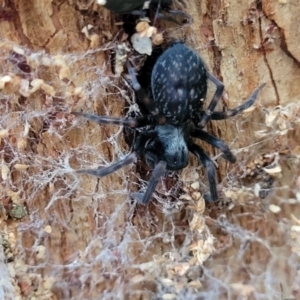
{"x": 175, "y": 116}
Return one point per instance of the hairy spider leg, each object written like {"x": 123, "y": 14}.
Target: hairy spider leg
{"x": 204, "y": 158}
{"x": 179, "y": 13}
{"x": 215, "y": 142}
{"x": 133, "y": 123}
{"x": 232, "y": 112}
{"x": 139, "y": 13}
{"x": 141, "y": 93}
{"x": 101, "y": 172}
{"x": 158, "y": 172}
{"x": 213, "y": 103}
{"x": 182, "y": 2}
{"x": 157, "y": 14}
{"x": 128, "y": 122}
{"x": 175, "y": 12}
{"x": 209, "y": 114}
{"x": 210, "y": 139}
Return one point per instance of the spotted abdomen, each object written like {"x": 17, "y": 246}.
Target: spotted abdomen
{"x": 178, "y": 82}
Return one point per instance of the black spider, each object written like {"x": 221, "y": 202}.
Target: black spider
{"x": 178, "y": 84}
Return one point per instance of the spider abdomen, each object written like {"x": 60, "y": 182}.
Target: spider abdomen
{"x": 178, "y": 82}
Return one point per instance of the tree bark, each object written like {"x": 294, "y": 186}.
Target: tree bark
{"x": 83, "y": 237}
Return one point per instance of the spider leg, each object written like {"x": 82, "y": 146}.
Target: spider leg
{"x": 129, "y": 122}
{"x": 232, "y": 112}
{"x": 157, "y": 14}
{"x": 141, "y": 13}
{"x": 213, "y": 103}
{"x": 159, "y": 170}
{"x": 215, "y": 142}
{"x": 101, "y": 172}
{"x": 179, "y": 13}
{"x": 182, "y": 2}
{"x": 171, "y": 19}
{"x": 141, "y": 93}
{"x": 209, "y": 165}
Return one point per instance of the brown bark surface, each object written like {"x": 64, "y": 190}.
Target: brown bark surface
{"x": 82, "y": 237}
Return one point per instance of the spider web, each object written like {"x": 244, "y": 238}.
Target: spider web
{"x": 84, "y": 237}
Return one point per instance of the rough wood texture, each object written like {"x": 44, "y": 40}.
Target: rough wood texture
{"x": 83, "y": 238}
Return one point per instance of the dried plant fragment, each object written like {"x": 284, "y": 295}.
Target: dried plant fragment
{"x": 21, "y": 167}
{"x": 141, "y": 44}
{"x": 4, "y": 172}
{"x": 274, "y": 208}
{"x": 17, "y": 211}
